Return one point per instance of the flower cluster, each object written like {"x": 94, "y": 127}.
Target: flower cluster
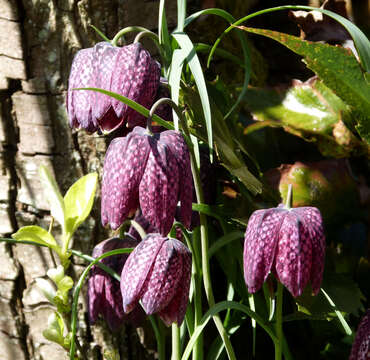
{"x": 141, "y": 171}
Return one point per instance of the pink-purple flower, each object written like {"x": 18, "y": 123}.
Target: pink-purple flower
{"x": 361, "y": 345}
{"x": 104, "y": 295}
{"x": 290, "y": 243}
{"x": 150, "y": 170}
{"x": 158, "y": 273}
{"x": 127, "y": 70}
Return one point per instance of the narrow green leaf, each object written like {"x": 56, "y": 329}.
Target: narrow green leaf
{"x": 35, "y": 234}
{"x": 201, "y": 47}
{"x": 100, "y": 33}
{"x": 53, "y": 195}
{"x": 164, "y": 37}
{"x": 181, "y": 14}
{"x": 132, "y": 104}
{"x": 196, "y": 69}
{"x": 79, "y": 200}
{"x": 224, "y": 305}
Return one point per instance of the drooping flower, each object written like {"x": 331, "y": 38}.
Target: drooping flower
{"x": 158, "y": 273}
{"x": 153, "y": 170}
{"x": 127, "y": 70}
{"x": 288, "y": 242}
{"x": 104, "y": 295}
{"x": 361, "y": 345}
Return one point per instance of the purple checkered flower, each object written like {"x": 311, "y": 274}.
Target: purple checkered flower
{"x": 158, "y": 273}
{"x": 104, "y": 295}
{"x": 288, "y": 242}
{"x": 150, "y": 170}
{"x": 361, "y": 345}
{"x": 127, "y": 70}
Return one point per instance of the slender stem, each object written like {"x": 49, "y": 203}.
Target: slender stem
{"x": 138, "y": 228}
{"x": 204, "y": 244}
{"x": 289, "y": 197}
{"x": 148, "y": 33}
{"x": 279, "y": 322}
{"x": 158, "y": 337}
{"x": 126, "y": 30}
{"x": 176, "y": 345}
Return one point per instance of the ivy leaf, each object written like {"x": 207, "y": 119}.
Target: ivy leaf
{"x": 337, "y": 68}
{"x": 79, "y": 200}
{"x": 36, "y": 234}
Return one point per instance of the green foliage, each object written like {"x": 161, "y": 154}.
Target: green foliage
{"x": 337, "y": 68}
{"x": 37, "y": 235}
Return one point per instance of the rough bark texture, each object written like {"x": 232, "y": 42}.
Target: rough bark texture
{"x": 38, "y": 39}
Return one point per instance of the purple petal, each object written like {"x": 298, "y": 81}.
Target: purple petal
{"x": 136, "y": 269}
{"x": 361, "y": 345}
{"x": 294, "y": 253}
{"x": 159, "y": 187}
{"x": 260, "y": 244}
{"x": 136, "y": 76}
{"x": 124, "y": 165}
{"x": 176, "y": 309}
{"x": 104, "y": 59}
{"x": 81, "y": 102}
{"x": 178, "y": 147}
{"x": 163, "y": 279}
{"x": 312, "y": 218}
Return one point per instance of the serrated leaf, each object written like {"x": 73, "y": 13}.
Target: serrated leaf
{"x": 337, "y": 68}
{"x": 53, "y": 195}
{"x": 36, "y": 234}
{"x": 79, "y": 200}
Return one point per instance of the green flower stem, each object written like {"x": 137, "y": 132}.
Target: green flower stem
{"x": 204, "y": 240}
{"x": 176, "y": 344}
{"x": 289, "y": 197}
{"x": 79, "y": 284}
{"x": 159, "y": 338}
{"x": 279, "y": 322}
{"x": 125, "y": 31}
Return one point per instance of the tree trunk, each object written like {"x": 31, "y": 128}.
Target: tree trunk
{"x": 38, "y": 39}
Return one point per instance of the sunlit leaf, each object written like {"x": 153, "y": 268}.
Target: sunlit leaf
{"x": 79, "y": 200}
{"x": 35, "y": 234}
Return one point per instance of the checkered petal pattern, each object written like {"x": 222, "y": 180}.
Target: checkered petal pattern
{"x": 104, "y": 55}
{"x": 178, "y": 147}
{"x": 158, "y": 273}
{"x": 136, "y": 76}
{"x": 159, "y": 187}
{"x": 361, "y": 345}
{"x": 124, "y": 166}
{"x": 135, "y": 272}
{"x": 80, "y": 103}
{"x": 104, "y": 295}
{"x": 151, "y": 170}
{"x": 289, "y": 243}
{"x": 176, "y": 309}
{"x": 128, "y": 70}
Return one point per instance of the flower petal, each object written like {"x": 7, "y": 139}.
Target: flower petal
{"x": 159, "y": 187}
{"x": 136, "y": 269}
{"x": 260, "y": 244}
{"x": 294, "y": 253}
{"x": 163, "y": 279}
{"x": 361, "y": 345}
{"x": 124, "y": 165}
{"x": 176, "y": 309}
{"x": 179, "y": 148}
{"x": 81, "y": 102}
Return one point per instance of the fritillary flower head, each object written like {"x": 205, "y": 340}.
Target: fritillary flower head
{"x": 157, "y": 273}
{"x": 361, "y": 345}
{"x": 104, "y": 295}
{"x": 150, "y": 170}
{"x": 290, "y": 243}
{"x": 129, "y": 71}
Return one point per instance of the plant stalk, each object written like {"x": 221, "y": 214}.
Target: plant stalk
{"x": 279, "y": 322}
{"x": 176, "y": 344}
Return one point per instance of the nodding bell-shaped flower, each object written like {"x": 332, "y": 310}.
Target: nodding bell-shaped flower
{"x": 104, "y": 295}
{"x": 127, "y": 70}
{"x": 158, "y": 273}
{"x": 288, "y": 242}
{"x": 153, "y": 170}
{"x": 361, "y": 345}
